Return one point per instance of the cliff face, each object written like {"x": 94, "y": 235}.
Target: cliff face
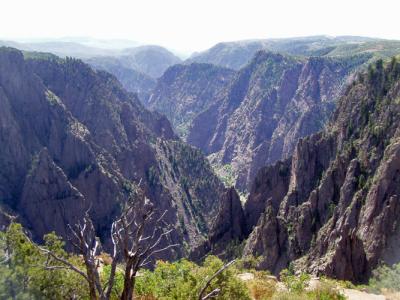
{"x": 227, "y": 231}
{"x": 184, "y": 91}
{"x": 73, "y": 138}
{"x": 270, "y": 104}
{"x": 334, "y": 211}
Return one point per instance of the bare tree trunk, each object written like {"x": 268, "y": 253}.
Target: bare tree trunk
{"x": 92, "y": 280}
{"x": 128, "y": 284}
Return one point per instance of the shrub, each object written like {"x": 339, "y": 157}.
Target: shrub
{"x": 184, "y": 279}
{"x": 23, "y": 275}
{"x": 325, "y": 291}
{"x": 261, "y": 289}
{"x": 385, "y": 278}
{"x": 294, "y": 283}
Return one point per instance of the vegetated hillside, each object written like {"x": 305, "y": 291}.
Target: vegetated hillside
{"x": 271, "y": 103}
{"x": 72, "y": 138}
{"x": 332, "y": 208}
{"x": 235, "y": 55}
{"x": 184, "y": 91}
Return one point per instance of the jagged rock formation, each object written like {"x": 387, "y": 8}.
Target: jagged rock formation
{"x": 269, "y": 105}
{"x": 227, "y": 231}
{"x": 338, "y": 215}
{"x": 72, "y": 138}
{"x": 184, "y": 91}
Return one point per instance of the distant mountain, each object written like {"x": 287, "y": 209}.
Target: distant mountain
{"x": 72, "y": 139}
{"x": 236, "y": 54}
{"x": 151, "y": 60}
{"x": 101, "y": 43}
{"x": 233, "y": 55}
{"x": 137, "y": 68}
{"x": 131, "y": 79}
{"x": 184, "y": 91}
{"x": 63, "y": 49}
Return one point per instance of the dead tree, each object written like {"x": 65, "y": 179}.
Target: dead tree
{"x": 136, "y": 236}
{"x": 137, "y": 244}
{"x": 87, "y": 245}
{"x": 216, "y": 291}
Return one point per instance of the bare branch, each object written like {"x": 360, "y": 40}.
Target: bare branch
{"x": 63, "y": 261}
{"x": 212, "y": 278}
{"x": 212, "y": 294}
{"x": 155, "y": 244}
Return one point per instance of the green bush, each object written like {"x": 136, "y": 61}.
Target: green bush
{"x": 294, "y": 283}
{"x": 22, "y": 276}
{"x": 184, "y": 280}
{"x": 324, "y": 291}
{"x": 385, "y": 278}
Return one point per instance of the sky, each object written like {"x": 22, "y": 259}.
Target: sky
{"x": 188, "y": 25}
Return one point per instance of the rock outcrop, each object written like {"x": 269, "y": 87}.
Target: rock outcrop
{"x": 338, "y": 215}
{"x": 227, "y": 231}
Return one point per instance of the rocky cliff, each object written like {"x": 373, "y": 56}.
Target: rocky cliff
{"x": 270, "y": 104}
{"x": 332, "y": 210}
{"x": 228, "y": 230}
{"x": 72, "y": 138}
{"x": 185, "y": 91}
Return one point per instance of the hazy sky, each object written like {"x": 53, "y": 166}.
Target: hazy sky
{"x": 189, "y": 25}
